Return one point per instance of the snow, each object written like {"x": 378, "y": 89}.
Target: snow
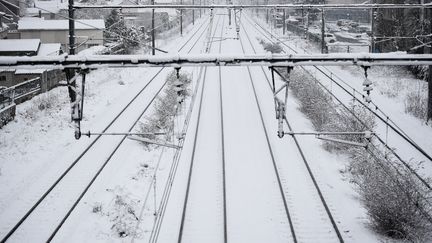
{"x": 19, "y": 45}
{"x": 49, "y": 49}
{"x": 42, "y": 24}
{"x": 39, "y": 145}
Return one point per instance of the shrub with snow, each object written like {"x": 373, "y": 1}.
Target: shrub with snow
{"x": 396, "y": 203}
{"x": 416, "y": 104}
{"x": 167, "y": 106}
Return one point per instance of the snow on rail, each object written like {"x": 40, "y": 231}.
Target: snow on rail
{"x": 266, "y": 6}
{"x": 180, "y": 60}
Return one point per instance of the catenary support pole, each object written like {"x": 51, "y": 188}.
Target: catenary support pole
{"x": 323, "y": 44}
{"x": 372, "y": 19}
{"x": 153, "y": 31}
{"x": 267, "y": 13}
{"x": 193, "y": 13}
{"x": 284, "y": 21}
{"x": 181, "y": 19}
{"x": 428, "y": 49}
{"x": 71, "y": 11}
{"x": 429, "y": 113}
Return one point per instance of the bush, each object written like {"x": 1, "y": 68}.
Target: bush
{"x": 416, "y": 104}
{"x": 271, "y": 47}
{"x": 166, "y": 107}
{"x": 318, "y": 106}
{"x": 396, "y": 203}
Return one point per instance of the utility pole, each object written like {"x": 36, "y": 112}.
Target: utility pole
{"x": 71, "y": 27}
{"x": 229, "y": 12}
{"x": 70, "y": 73}
{"x": 153, "y": 31}
{"x": 428, "y": 49}
{"x": 267, "y": 10}
{"x": 193, "y": 13}
{"x": 372, "y": 40}
{"x": 284, "y": 21}
{"x": 181, "y": 19}
{"x": 323, "y": 44}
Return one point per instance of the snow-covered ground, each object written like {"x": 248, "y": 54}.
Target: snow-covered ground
{"x": 391, "y": 85}
{"x": 245, "y": 183}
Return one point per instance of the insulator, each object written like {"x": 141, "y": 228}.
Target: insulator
{"x": 367, "y": 88}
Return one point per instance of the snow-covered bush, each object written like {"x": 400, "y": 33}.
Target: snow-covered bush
{"x": 416, "y": 104}
{"x": 271, "y": 47}
{"x": 167, "y": 106}
{"x": 318, "y": 106}
{"x": 122, "y": 213}
{"x": 396, "y": 203}
{"x": 42, "y": 102}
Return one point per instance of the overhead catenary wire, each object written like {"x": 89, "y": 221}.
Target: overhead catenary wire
{"x": 259, "y": 6}
{"x": 94, "y": 27}
{"x": 192, "y": 160}
{"x": 395, "y": 129}
{"x": 173, "y": 170}
{"x": 275, "y": 168}
{"x": 332, "y": 76}
{"x": 306, "y": 163}
{"x": 82, "y": 154}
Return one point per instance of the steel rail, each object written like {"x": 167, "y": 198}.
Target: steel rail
{"x": 173, "y": 170}
{"x": 305, "y": 161}
{"x": 276, "y": 170}
{"x": 223, "y": 148}
{"x": 115, "y": 150}
{"x": 400, "y": 133}
{"x": 177, "y": 60}
{"x": 394, "y": 127}
{"x": 74, "y": 163}
{"x": 259, "y": 6}
{"x": 190, "y": 174}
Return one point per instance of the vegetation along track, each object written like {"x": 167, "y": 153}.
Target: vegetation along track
{"x": 95, "y": 142}
{"x": 300, "y": 150}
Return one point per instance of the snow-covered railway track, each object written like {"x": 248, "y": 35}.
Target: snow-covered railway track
{"x": 204, "y": 204}
{"x": 55, "y": 205}
{"x": 302, "y": 230}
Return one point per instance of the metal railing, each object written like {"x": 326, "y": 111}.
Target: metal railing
{"x": 20, "y": 92}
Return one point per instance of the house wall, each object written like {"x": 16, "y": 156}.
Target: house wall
{"x": 62, "y": 37}
{"x": 6, "y": 78}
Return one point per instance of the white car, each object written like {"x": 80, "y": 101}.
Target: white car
{"x": 329, "y": 38}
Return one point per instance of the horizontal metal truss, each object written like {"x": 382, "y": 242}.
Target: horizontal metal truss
{"x": 271, "y": 6}
{"x": 101, "y": 61}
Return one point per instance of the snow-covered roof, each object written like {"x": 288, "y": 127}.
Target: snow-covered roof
{"x": 30, "y": 71}
{"x": 51, "y": 6}
{"x": 49, "y": 49}
{"x": 19, "y": 45}
{"x": 42, "y": 24}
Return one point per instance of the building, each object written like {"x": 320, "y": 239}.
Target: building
{"x": 397, "y": 29}
{"x": 30, "y": 47}
{"x": 15, "y": 8}
{"x": 88, "y": 32}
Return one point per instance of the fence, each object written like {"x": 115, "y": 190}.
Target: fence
{"x": 16, "y": 94}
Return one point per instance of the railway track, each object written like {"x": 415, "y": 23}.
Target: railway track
{"x": 27, "y": 225}
{"x": 358, "y": 96}
{"x": 254, "y": 191}
{"x": 200, "y": 171}
{"x": 298, "y": 147}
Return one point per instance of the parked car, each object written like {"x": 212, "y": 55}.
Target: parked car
{"x": 330, "y": 38}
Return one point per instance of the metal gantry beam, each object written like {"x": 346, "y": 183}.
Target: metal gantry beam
{"x": 279, "y": 60}
{"x": 269, "y": 6}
